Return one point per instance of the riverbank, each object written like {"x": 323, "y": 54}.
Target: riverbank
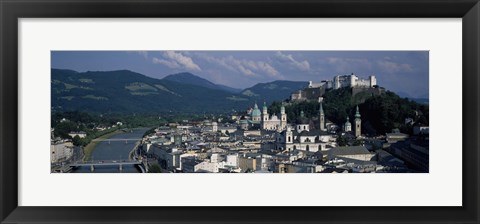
{"x": 88, "y": 150}
{"x": 131, "y": 155}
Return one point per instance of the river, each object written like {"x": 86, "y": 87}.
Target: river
{"x": 115, "y": 150}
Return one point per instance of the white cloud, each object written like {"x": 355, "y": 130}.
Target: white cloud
{"x": 143, "y": 53}
{"x": 243, "y": 66}
{"x": 170, "y": 64}
{"x": 301, "y": 65}
{"x": 173, "y": 59}
{"x": 268, "y": 69}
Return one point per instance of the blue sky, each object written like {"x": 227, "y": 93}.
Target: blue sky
{"x": 404, "y": 72}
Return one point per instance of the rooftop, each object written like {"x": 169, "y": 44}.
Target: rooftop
{"x": 349, "y": 150}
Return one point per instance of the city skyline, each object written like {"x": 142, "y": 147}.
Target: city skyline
{"x": 404, "y": 72}
{"x": 337, "y": 112}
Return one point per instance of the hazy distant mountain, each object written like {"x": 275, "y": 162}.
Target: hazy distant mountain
{"x": 189, "y": 78}
{"x": 421, "y": 100}
{"x": 125, "y": 91}
{"x": 276, "y": 90}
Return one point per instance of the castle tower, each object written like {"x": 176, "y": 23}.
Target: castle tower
{"x": 373, "y": 81}
{"x": 358, "y": 124}
{"x": 322, "y": 118}
{"x": 283, "y": 118}
{"x": 336, "y": 82}
{"x": 352, "y": 80}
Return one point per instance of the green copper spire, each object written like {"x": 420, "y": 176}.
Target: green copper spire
{"x": 357, "y": 115}
{"x": 264, "y": 105}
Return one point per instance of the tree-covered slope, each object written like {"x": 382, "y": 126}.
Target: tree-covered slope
{"x": 379, "y": 113}
{"x": 188, "y": 78}
{"x": 276, "y": 90}
{"x": 130, "y": 92}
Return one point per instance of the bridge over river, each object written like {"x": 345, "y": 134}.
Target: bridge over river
{"x": 111, "y": 155}
{"x": 109, "y": 140}
{"x": 120, "y": 164}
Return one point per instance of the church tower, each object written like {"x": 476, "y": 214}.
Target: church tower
{"x": 322, "y": 118}
{"x": 264, "y": 115}
{"x": 358, "y": 124}
{"x": 283, "y": 118}
{"x": 288, "y": 138}
{"x": 348, "y": 125}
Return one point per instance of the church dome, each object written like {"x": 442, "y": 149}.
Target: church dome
{"x": 256, "y": 112}
{"x": 347, "y": 123}
{"x": 302, "y": 119}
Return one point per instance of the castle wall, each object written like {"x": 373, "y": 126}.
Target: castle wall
{"x": 316, "y": 90}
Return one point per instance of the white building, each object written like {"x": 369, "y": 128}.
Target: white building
{"x": 302, "y": 138}
{"x": 207, "y": 166}
{"x": 216, "y": 158}
{"x": 61, "y": 152}
{"x": 353, "y": 81}
{"x": 80, "y": 134}
{"x": 273, "y": 122}
{"x": 232, "y": 160}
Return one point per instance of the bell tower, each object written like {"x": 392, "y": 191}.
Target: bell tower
{"x": 283, "y": 118}
{"x": 322, "y": 118}
{"x": 358, "y": 124}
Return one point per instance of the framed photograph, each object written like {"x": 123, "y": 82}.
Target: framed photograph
{"x": 250, "y": 112}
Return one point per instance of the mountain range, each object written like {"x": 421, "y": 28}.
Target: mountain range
{"x": 125, "y": 91}
{"x": 189, "y": 78}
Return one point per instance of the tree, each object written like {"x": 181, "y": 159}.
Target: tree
{"x": 342, "y": 141}
{"x": 154, "y": 168}
{"x": 77, "y": 141}
{"x": 357, "y": 142}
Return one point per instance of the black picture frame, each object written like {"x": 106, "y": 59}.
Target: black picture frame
{"x": 11, "y": 11}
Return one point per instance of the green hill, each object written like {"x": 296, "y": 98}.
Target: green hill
{"x": 271, "y": 91}
{"x": 188, "y": 78}
{"x": 379, "y": 113}
{"x": 125, "y": 91}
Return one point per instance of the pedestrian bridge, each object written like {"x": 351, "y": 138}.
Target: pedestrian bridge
{"x": 93, "y": 164}
{"x": 116, "y": 140}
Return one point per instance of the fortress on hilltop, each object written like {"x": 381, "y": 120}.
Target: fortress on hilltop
{"x": 316, "y": 90}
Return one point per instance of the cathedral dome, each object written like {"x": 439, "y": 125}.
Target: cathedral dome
{"x": 256, "y": 112}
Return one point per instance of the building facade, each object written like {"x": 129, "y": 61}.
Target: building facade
{"x": 273, "y": 122}
{"x": 352, "y": 80}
